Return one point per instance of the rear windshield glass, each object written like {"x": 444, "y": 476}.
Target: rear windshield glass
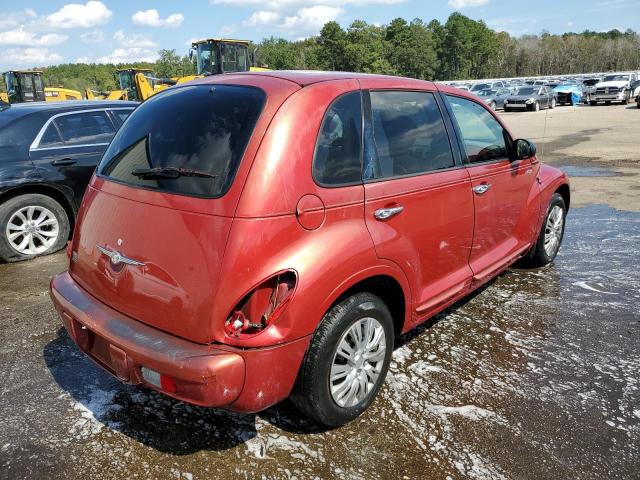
{"x": 186, "y": 141}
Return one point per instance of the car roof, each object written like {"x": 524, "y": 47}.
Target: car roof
{"x": 309, "y": 77}
{"x": 20, "y": 109}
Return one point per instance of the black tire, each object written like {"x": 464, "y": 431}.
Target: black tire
{"x": 638, "y": 105}
{"x": 608, "y": 102}
{"x": 311, "y": 394}
{"x": 7, "y": 252}
{"x": 538, "y": 256}
{"x": 593, "y": 103}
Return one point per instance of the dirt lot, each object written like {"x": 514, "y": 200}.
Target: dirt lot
{"x": 598, "y": 146}
{"x": 535, "y": 376}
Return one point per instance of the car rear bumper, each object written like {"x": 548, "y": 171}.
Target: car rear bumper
{"x": 207, "y": 375}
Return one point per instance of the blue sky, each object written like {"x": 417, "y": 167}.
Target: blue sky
{"x": 39, "y": 32}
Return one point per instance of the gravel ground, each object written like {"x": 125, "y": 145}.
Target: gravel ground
{"x": 535, "y": 376}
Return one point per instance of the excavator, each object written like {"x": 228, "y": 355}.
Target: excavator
{"x": 214, "y": 56}
{"x": 27, "y": 86}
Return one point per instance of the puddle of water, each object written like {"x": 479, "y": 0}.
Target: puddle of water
{"x": 583, "y": 171}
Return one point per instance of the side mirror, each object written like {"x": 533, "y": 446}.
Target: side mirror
{"x": 191, "y": 54}
{"x": 524, "y": 149}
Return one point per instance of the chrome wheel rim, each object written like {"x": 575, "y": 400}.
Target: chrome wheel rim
{"x": 553, "y": 230}
{"x": 32, "y": 230}
{"x": 358, "y": 362}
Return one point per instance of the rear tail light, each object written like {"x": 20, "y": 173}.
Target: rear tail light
{"x": 262, "y": 306}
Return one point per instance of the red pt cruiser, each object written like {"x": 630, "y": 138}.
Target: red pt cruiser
{"x": 248, "y": 237}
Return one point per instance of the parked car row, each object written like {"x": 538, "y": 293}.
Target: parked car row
{"x": 591, "y": 89}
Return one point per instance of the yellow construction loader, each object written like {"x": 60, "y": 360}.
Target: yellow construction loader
{"x": 27, "y": 86}
{"x": 136, "y": 84}
{"x": 223, "y": 55}
{"x": 213, "y": 56}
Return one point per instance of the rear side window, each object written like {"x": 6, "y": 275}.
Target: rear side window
{"x": 409, "y": 134}
{"x": 339, "y": 147}
{"x": 51, "y": 137}
{"x": 85, "y": 128}
{"x": 121, "y": 115}
{"x": 484, "y": 138}
{"x": 186, "y": 141}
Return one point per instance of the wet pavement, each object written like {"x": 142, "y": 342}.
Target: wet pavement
{"x": 535, "y": 376}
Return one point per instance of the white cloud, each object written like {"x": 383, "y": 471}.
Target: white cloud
{"x": 22, "y": 38}
{"x": 228, "y": 29}
{"x": 460, "y": 4}
{"x": 129, "y": 55}
{"x": 30, "y": 57}
{"x": 261, "y": 17}
{"x": 569, "y": 24}
{"x": 305, "y": 21}
{"x": 310, "y": 19}
{"x": 133, "y": 40}
{"x": 92, "y": 38}
{"x": 12, "y": 20}
{"x": 289, "y": 4}
{"x": 151, "y": 18}
{"x": 76, "y": 15}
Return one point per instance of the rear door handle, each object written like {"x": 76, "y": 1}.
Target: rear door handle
{"x": 385, "y": 213}
{"x": 480, "y": 189}
{"x": 63, "y": 161}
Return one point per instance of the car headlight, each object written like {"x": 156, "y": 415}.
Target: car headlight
{"x": 530, "y": 100}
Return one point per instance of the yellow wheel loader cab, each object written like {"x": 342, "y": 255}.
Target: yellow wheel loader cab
{"x": 27, "y": 86}
{"x": 223, "y": 55}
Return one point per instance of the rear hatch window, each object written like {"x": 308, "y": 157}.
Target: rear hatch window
{"x": 187, "y": 140}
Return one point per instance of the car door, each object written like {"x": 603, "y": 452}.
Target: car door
{"x": 70, "y": 145}
{"x": 504, "y": 191}
{"x": 418, "y": 202}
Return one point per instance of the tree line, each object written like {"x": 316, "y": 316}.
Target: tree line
{"x": 460, "y": 48}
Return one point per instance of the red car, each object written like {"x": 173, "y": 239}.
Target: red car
{"x": 252, "y": 236}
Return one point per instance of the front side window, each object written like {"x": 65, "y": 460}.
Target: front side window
{"x": 409, "y": 135}
{"x": 484, "y": 138}
{"x": 87, "y": 128}
{"x": 186, "y": 141}
{"x": 338, "y": 154}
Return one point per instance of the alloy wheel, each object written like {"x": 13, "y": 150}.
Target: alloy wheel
{"x": 32, "y": 230}
{"x": 358, "y": 362}
{"x": 553, "y": 231}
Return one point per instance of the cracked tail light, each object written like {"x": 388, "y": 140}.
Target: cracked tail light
{"x": 262, "y": 306}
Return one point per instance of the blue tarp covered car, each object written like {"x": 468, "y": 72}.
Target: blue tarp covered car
{"x": 568, "y": 94}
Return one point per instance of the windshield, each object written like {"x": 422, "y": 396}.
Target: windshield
{"x": 527, "y": 91}
{"x": 485, "y": 93}
{"x": 208, "y": 133}
{"x": 480, "y": 86}
{"x": 616, "y": 78}
{"x": 207, "y": 58}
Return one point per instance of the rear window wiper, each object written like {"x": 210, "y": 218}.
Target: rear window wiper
{"x": 169, "y": 172}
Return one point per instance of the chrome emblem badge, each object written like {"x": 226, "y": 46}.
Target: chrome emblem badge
{"x": 117, "y": 258}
